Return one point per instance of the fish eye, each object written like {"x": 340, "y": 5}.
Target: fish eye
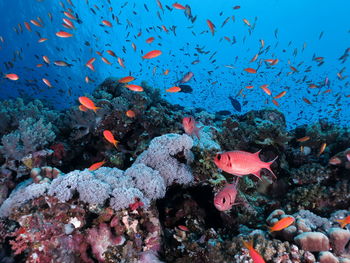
{"x": 219, "y": 156}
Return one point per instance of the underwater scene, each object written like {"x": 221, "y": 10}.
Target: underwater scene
{"x": 161, "y": 131}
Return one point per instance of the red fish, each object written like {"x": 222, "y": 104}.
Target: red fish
{"x": 173, "y": 89}
{"x": 11, "y": 76}
{"x": 282, "y": 224}
{"x": 344, "y": 222}
{"x": 211, "y": 26}
{"x": 63, "y": 34}
{"x": 190, "y": 127}
{"x": 107, "y": 23}
{"x": 110, "y": 137}
{"x": 178, "y": 6}
{"x": 88, "y": 103}
{"x": 241, "y": 163}
{"x": 225, "y": 199}
{"x": 95, "y": 166}
{"x": 152, "y": 54}
{"x": 256, "y": 257}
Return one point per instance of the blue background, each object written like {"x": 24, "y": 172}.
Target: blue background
{"x": 297, "y": 21}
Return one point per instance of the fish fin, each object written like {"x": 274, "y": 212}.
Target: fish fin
{"x": 257, "y": 174}
{"x": 257, "y": 153}
{"x": 341, "y": 222}
{"x": 270, "y": 229}
{"x": 96, "y": 108}
{"x": 268, "y": 164}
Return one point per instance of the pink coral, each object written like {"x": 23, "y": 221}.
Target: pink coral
{"x": 101, "y": 238}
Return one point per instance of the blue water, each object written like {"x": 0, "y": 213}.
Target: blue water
{"x": 298, "y": 23}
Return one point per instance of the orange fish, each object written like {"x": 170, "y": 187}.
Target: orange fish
{"x": 322, "y": 148}
{"x": 344, "y": 222}
{"x": 68, "y": 23}
{"x": 126, "y": 79}
{"x": 178, "y": 6}
{"x": 46, "y": 59}
{"x": 107, "y": 23}
{"x": 47, "y": 82}
{"x": 306, "y": 100}
{"x": 165, "y": 29}
{"x": 250, "y": 70}
{"x": 256, "y": 257}
{"x": 63, "y": 34}
{"x": 95, "y": 166}
{"x": 266, "y": 89}
{"x": 249, "y": 87}
{"x": 134, "y": 87}
{"x": 254, "y": 58}
{"x": 282, "y": 224}
{"x": 303, "y": 139}
{"x": 109, "y": 137}
{"x": 27, "y": 25}
{"x": 41, "y": 40}
{"x": 11, "y": 76}
{"x": 88, "y": 103}
{"x": 275, "y": 102}
{"x": 173, "y": 89}
{"x": 106, "y": 61}
{"x": 262, "y": 42}
{"x": 166, "y": 72}
{"x": 149, "y": 40}
{"x": 133, "y": 46}
{"x": 69, "y": 15}
{"x": 36, "y": 23}
{"x": 280, "y": 95}
{"x": 130, "y": 114}
{"x": 211, "y": 26}
{"x": 111, "y": 53}
{"x": 39, "y": 65}
{"x": 293, "y": 68}
{"x": 152, "y": 54}
{"x": 121, "y": 62}
{"x": 246, "y": 22}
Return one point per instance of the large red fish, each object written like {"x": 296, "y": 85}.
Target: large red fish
{"x": 225, "y": 199}
{"x": 241, "y": 163}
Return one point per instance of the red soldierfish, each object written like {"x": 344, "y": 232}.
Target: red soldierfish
{"x": 225, "y": 199}
{"x": 241, "y": 163}
{"x": 190, "y": 127}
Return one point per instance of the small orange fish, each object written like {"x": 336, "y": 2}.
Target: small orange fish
{"x": 27, "y": 25}
{"x": 47, "y": 82}
{"x": 121, "y": 62}
{"x": 39, "y": 65}
{"x": 69, "y": 15}
{"x": 109, "y": 137}
{"x": 88, "y": 103}
{"x": 178, "y": 6}
{"x": 280, "y": 95}
{"x": 246, "y": 22}
{"x": 262, "y": 42}
{"x": 36, "y": 23}
{"x": 111, "y": 53}
{"x": 166, "y": 72}
{"x": 11, "y": 76}
{"x": 173, "y": 89}
{"x": 46, "y": 59}
{"x": 63, "y": 34}
{"x": 165, "y": 29}
{"x": 126, "y": 79}
{"x": 152, "y": 54}
{"x": 250, "y": 70}
{"x": 344, "y": 222}
{"x": 282, "y": 224}
{"x": 211, "y": 26}
{"x": 41, "y": 40}
{"x": 275, "y": 102}
{"x": 249, "y": 87}
{"x": 106, "y": 61}
{"x": 266, "y": 89}
{"x": 68, "y": 23}
{"x": 134, "y": 87}
{"x": 322, "y": 148}
{"x": 303, "y": 139}
{"x": 254, "y": 58}
{"x": 256, "y": 257}
{"x": 306, "y": 100}
{"x": 130, "y": 114}
{"x": 107, "y": 23}
{"x": 293, "y": 68}
{"x": 133, "y": 46}
{"x": 312, "y": 86}
{"x": 149, "y": 40}
{"x": 95, "y": 166}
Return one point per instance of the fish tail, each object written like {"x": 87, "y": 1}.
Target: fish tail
{"x": 115, "y": 143}
{"x": 96, "y": 108}
{"x": 270, "y": 228}
{"x": 341, "y": 222}
{"x": 268, "y": 164}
